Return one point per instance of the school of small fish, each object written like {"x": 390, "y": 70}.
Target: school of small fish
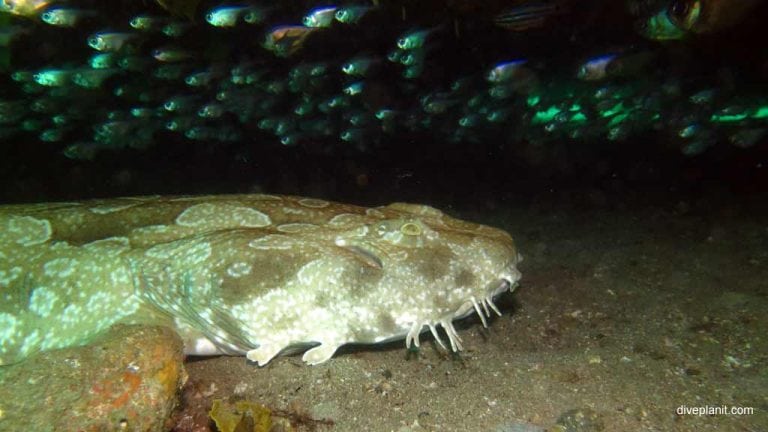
{"x": 91, "y": 76}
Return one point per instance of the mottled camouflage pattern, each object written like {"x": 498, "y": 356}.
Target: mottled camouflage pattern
{"x": 243, "y": 274}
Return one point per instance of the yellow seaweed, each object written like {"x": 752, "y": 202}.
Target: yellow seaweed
{"x": 243, "y": 416}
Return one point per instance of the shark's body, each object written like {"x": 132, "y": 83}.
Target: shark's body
{"x": 243, "y": 274}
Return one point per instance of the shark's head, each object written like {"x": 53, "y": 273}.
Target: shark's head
{"x": 431, "y": 268}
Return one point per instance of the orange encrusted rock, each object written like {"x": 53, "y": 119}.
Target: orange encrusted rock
{"x": 126, "y": 379}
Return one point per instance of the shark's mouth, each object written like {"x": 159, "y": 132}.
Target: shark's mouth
{"x": 483, "y": 307}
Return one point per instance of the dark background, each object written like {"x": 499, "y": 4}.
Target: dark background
{"x": 645, "y": 169}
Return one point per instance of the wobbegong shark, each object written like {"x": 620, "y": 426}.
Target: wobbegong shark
{"x": 253, "y": 275}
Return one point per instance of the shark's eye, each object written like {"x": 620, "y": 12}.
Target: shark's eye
{"x": 411, "y": 229}
{"x": 405, "y": 233}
